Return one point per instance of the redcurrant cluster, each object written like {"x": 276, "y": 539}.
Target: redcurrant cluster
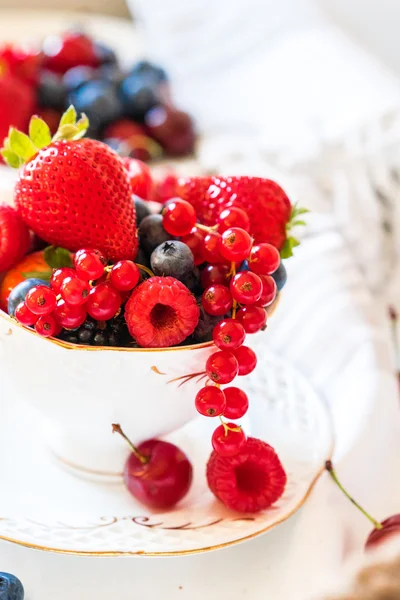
{"x": 90, "y": 288}
{"x": 237, "y": 281}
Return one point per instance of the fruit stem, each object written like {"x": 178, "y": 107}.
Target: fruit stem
{"x": 393, "y": 316}
{"x": 332, "y": 473}
{"x": 227, "y": 428}
{"x": 117, "y": 429}
{"x": 232, "y": 273}
{"x": 212, "y": 229}
{"x": 145, "y": 269}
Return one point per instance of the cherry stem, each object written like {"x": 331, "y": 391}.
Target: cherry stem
{"x": 332, "y": 473}
{"x": 145, "y": 269}
{"x": 117, "y": 429}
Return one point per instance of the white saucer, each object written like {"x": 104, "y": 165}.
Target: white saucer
{"x": 43, "y": 506}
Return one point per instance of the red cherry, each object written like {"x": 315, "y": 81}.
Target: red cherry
{"x": 389, "y": 528}
{"x": 233, "y": 217}
{"x": 179, "y": 217}
{"x": 124, "y": 275}
{"x": 213, "y": 274}
{"x": 103, "y": 302}
{"x": 75, "y": 291}
{"x": 253, "y": 318}
{"x": 228, "y": 334}
{"x": 211, "y": 249}
{"x": 264, "y": 259}
{"x": 246, "y": 287}
{"x": 210, "y": 401}
{"x": 24, "y": 315}
{"x": 89, "y": 263}
{"x": 228, "y": 439}
{"x": 269, "y": 290}
{"x": 195, "y": 241}
{"x": 217, "y": 300}
{"x": 58, "y": 277}
{"x": 235, "y": 244}
{"x": 222, "y": 367}
{"x": 47, "y": 326}
{"x": 237, "y": 403}
{"x": 157, "y": 473}
{"x": 246, "y": 358}
{"x": 41, "y": 300}
{"x": 69, "y": 317}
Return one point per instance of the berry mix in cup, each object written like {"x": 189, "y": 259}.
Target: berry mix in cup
{"x": 87, "y": 259}
{"x": 132, "y": 110}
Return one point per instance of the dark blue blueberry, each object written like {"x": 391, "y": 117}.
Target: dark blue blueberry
{"x": 244, "y": 266}
{"x": 10, "y": 587}
{"x": 51, "y": 92}
{"x": 138, "y": 95}
{"x": 152, "y": 233}
{"x": 192, "y": 281}
{"x": 99, "y": 101}
{"x": 18, "y": 294}
{"x": 172, "y": 259}
{"x": 280, "y": 276}
{"x": 111, "y": 73}
{"x": 142, "y": 209}
{"x": 104, "y": 53}
{"x": 152, "y": 72}
{"x": 205, "y": 326}
{"x": 142, "y": 258}
{"x": 77, "y": 77}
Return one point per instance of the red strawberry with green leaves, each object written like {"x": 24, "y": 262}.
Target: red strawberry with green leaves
{"x": 268, "y": 207}
{"x": 73, "y": 192}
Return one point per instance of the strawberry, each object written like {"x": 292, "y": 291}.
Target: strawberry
{"x": 73, "y": 192}
{"x": 14, "y": 237}
{"x": 268, "y": 207}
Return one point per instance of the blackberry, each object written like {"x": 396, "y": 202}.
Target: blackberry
{"x": 107, "y": 333}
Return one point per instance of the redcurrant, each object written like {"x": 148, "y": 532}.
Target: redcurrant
{"x": 74, "y": 290}
{"x": 179, "y": 217}
{"x": 217, "y": 300}
{"x": 211, "y": 249}
{"x": 228, "y": 439}
{"x": 210, "y": 401}
{"x": 228, "y": 334}
{"x": 124, "y": 275}
{"x": 237, "y": 403}
{"x": 264, "y": 259}
{"x": 253, "y": 318}
{"x": 222, "y": 367}
{"x": 24, "y": 315}
{"x": 103, "y": 302}
{"x": 41, "y": 300}
{"x": 246, "y": 287}
{"x": 195, "y": 241}
{"x": 212, "y": 274}
{"x": 58, "y": 277}
{"x": 69, "y": 317}
{"x": 89, "y": 263}
{"x": 269, "y": 291}
{"x": 233, "y": 217}
{"x": 235, "y": 244}
{"x": 246, "y": 358}
{"x": 47, "y": 326}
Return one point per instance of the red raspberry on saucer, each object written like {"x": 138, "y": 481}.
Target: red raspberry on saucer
{"x": 161, "y": 313}
{"x": 250, "y": 481}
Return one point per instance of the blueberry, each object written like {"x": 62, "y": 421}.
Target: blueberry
{"x": 70, "y": 337}
{"x": 205, "y": 326}
{"x": 138, "y": 95}
{"x": 20, "y": 291}
{"x": 111, "y": 73}
{"x": 172, "y": 259}
{"x": 142, "y": 209}
{"x": 51, "y": 92}
{"x": 152, "y": 233}
{"x": 85, "y": 336}
{"x": 244, "y": 266}
{"x": 104, "y": 53}
{"x": 192, "y": 281}
{"x": 77, "y": 76}
{"x": 142, "y": 258}
{"x": 10, "y": 587}
{"x": 280, "y": 276}
{"x": 151, "y": 71}
{"x": 99, "y": 101}
{"x": 100, "y": 339}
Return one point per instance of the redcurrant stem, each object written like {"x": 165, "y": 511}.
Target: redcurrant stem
{"x": 145, "y": 269}
{"x": 117, "y": 429}
{"x": 212, "y": 229}
{"x": 332, "y": 473}
{"x": 227, "y": 428}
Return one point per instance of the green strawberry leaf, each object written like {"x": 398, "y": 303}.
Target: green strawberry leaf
{"x": 69, "y": 117}
{"x": 21, "y": 144}
{"x": 57, "y": 258}
{"x": 296, "y": 223}
{"x": 45, "y": 275}
{"x": 11, "y": 158}
{"x": 39, "y": 132}
{"x": 287, "y": 249}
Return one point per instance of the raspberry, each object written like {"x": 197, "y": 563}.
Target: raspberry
{"x": 250, "y": 481}
{"x": 161, "y": 312}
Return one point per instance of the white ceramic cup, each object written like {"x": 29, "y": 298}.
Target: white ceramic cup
{"x": 80, "y": 391}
